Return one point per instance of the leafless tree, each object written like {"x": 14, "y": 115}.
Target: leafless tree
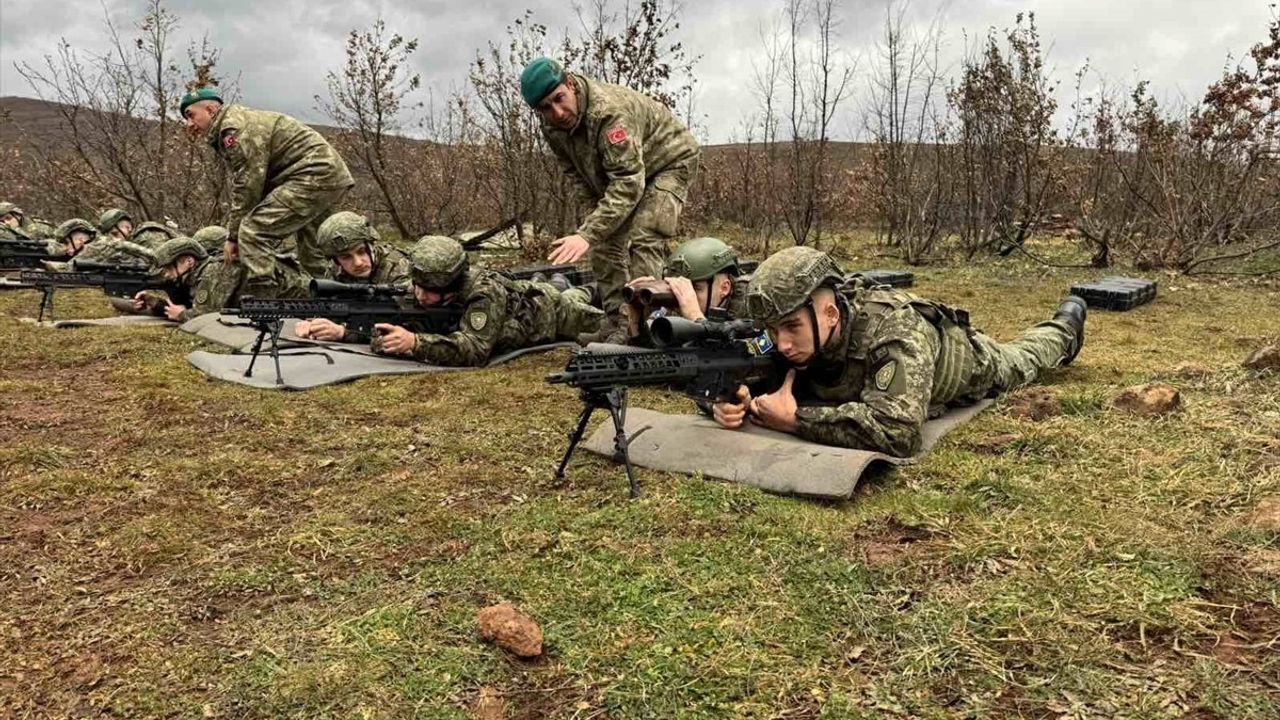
{"x": 119, "y": 141}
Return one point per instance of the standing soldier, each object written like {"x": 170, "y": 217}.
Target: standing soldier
{"x": 630, "y": 159}
{"x": 285, "y": 179}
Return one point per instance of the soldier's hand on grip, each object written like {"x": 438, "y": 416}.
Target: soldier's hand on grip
{"x": 731, "y": 415}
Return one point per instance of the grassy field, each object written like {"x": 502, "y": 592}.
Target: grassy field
{"x": 171, "y": 546}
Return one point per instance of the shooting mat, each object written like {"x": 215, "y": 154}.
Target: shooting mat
{"x": 115, "y": 321}
{"x": 316, "y": 365}
{"x": 772, "y": 461}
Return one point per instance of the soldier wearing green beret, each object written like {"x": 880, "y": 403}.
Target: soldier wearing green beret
{"x": 869, "y": 365}
{"x": 498, "y": 314}
{"x": 632, "y": 162}
{"x": 360, "y": 256}
{"x": 286, "y": 178}
{"x": 213, "y": 285}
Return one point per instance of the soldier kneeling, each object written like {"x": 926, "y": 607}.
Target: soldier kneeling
{"x": 868, "y": 366}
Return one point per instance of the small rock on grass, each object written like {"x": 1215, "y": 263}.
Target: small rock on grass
{"x": 510, "y": 630}
{"x": 1151, "y": 399}
{"x": 1266, "y": 358}
{"x": 1191, "y": 370}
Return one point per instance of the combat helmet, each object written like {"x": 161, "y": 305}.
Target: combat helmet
{"x": 110, "y": 218}
{"x": 64, "y": 230}
{"x": 8, "y": 208}
{"x": 343, "y": 231}
{"x": 701, "y": 258}
{"x": 785, "y": 281}
{"x": 438, "y": 262}
{"x": 170, "y": 250}
{"x": 211, "y": 237}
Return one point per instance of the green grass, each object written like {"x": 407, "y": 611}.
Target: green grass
{"x": 178, "y": 547}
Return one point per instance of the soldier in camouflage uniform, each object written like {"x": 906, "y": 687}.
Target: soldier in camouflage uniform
{"x": 498, "y": 314}
{"x": 80, "y": 243}
{"x": 361, "y": 257}
{"x": 214, "y": 285}
{"x": 15, "y": 225}
{"x": 630, "y": 159}
{"x": 117, "y": 224}
{"x": 211, "y": 238}
{"x": 703, "y": 274}
{"x": 888, "y": 360}
{"x": 285, "y": 179}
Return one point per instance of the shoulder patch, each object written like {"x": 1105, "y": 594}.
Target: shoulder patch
{"x": 617, "y": 135}
{"x": 229, "y": 140}
{"x": 884, "y": 376}
{"x": 477, "y": 320}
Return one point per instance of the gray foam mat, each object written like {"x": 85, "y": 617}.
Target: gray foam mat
{"x": 116, "y": 321}
{"x": 316, "y": 365}
{"x": 772, "y": 461}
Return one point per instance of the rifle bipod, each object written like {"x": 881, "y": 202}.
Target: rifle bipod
{"x": 46, "y": 303}
{"x": 615, "y": 401}
{"x": 272, "y": 329}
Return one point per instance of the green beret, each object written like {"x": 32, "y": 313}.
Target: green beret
{"x": 195, "y": 96}
{"x": 539, "y": 78}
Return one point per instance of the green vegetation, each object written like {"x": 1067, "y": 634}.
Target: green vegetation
{"x": 178, "y": 547}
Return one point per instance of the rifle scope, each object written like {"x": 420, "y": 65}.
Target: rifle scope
{"x": 675, "y": 331}
{"x": 335, "y": 289}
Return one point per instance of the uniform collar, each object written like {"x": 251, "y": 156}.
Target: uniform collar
{"x": 215, "y": 128}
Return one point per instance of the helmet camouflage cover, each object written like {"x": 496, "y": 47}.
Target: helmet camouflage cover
{"x": 74, "y": 225}
{"x": 170, "y": 250}
{"x": 701, "y": 258}
{"x": 437, "y": 261}
{"x": 110, "y": 218}
{"x": 211, "y": 237}
{"x": 8, "y": 208}
{"x": 343, "y": 231}
{"x": 783, "y": 283}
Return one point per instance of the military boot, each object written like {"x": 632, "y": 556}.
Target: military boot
{"x": 613, "y": 330}
{"x": 1072, "y": 313}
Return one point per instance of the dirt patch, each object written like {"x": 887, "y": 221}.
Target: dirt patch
{"x": 1267, "y": 358}
{"x": 1266, "y": 515}
{"x": 997, "y": 444}
{"x": 894, "y": 545}
{"x": 1035, "y": 404}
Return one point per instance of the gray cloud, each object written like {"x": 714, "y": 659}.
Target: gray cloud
{"x": 281, "y": 50}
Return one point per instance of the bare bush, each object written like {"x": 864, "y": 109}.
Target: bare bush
{"x": 119, "y": 141}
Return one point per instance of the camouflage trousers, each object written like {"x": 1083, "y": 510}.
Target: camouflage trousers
{"x": 285, "y": 222}
{"x": 1005, "y": 366}
{"x": 639, "y": 247}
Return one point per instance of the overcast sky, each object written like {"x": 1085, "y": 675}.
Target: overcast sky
{"x": 281, "y": 50}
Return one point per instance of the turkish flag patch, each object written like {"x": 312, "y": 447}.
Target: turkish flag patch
{"x": 617, "y": 135}
{"x": 228, "y": 140}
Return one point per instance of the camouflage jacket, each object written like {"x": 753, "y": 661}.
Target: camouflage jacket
{"x": 266, "y": 151}
{"x": 624, "y": 141}
{"x": 888, "y": 370}
{"x": 152, "y": 234}
{"x": 498, "y": 315}
{"x": 110, "y": 251}
{"x": 215, "y": 285}
{"x": 391, "y": 267}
